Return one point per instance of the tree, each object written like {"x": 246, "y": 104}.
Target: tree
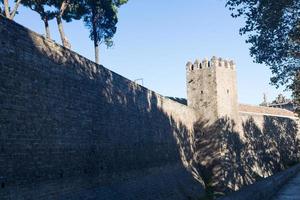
{"x": 39, "y": 7}
{"x": 296, "y": 88}
{"x": 2, "y": 8}
{"x": 60, "y": 9}
{"x": 273, "y": 30}
{"x": 67, "y": 10}
{"x": 101, "y": 19}
{"x": 6, "y": 10}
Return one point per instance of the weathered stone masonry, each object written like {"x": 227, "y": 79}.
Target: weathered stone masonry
{"x": 237, "y": 144}
{"x": 71, "y": 129}
{"x": 212, "y": 88}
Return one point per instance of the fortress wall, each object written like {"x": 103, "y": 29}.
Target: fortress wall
{"x": 266, "y": 142}
{"x": 271, "y": 138}
{"x": 227, "y": 91}
{"x": 201, "y": 90}
{"x": 267, "y": 111}
{"x": 71, "y": 129}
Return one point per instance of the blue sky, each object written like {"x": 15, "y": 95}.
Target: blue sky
{"x": 156, "y": 38}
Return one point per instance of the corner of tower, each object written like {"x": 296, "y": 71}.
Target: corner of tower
{"x": 212, "y": 89}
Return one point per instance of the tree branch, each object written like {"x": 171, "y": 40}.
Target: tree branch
{"x": 6, "y": 8}
{"x": 63, "y": 7}
{"x": 13, "y": 13}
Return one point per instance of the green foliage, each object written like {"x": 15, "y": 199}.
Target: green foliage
{"x": 296, "y": 91}
{"x": 100, "y": 16}
{"x": 74, "y": 9}
{"x": 118, "y": 3}
{"x": 273, "y": 30}
{"x": 39, "y": 7}
{"x": 101, "y": 19}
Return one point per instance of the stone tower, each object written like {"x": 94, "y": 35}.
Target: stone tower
{"x": 212, "y": 89}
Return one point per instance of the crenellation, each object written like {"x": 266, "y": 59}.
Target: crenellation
{"x": 211, "y": 91}
{"x": 197, "y": 64}
{"x": 221, "y": 62}
{"x": 214, "y": 58}
{"x": 205, "y": 63}
{"x": 227, "y": 64}
{"x": 232, "y": 64}
{"x": 214, "y": 62}
{"x": 189, "y": 66}
{"x": 72, "y": 129}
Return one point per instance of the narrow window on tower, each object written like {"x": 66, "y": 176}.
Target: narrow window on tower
{"x": 227, "y": 91}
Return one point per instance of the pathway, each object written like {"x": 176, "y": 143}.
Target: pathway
{"x": 290, "y": 191}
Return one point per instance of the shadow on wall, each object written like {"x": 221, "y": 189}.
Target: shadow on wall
{"x": 68, "y": 125}
{"x": 228, "y": 162}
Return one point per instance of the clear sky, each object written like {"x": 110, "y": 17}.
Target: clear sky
{"x": 156, "y": 38}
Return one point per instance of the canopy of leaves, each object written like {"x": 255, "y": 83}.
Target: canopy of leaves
{"x": 50, "y": 8}
{"x": 273, "y": 29}
{"x": 40, "y": 7}
{"x": 118, "y": 3}
{"x": 101, "y": 19}
{"x": 73, "y": 10}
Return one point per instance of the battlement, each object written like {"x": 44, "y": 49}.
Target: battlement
{"x": 212, "y": 88}
{"x": 214, "y": 62}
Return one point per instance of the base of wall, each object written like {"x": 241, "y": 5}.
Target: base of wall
{"x": 266, "y": 188}
{"x": 164, "y": 183}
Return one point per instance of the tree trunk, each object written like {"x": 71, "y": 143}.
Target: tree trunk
{"x": 96, "y": 43}
{"x": 13, "y": 13}
{"x": 63, "y": 7}
{"x": 6, "y": 9}
{"x": 64, "y": 40}
{"x": 47, "y": 29}
{"x": 8, "y": 14}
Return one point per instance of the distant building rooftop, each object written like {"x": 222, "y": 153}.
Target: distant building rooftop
{"x": 280, "y": 102}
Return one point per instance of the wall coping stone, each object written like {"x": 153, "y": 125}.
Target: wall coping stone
{"x": 262, "y": 110}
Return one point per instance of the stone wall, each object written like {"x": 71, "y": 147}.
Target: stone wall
{"x": 226, "y": 89}
{"x": 267, "y": 188}
{"x": 201, "y": 89}
{"x": 229, "y": 158}
{"x": 212, "y": 88}
{"x": 267, "y": 111}
{"x": 236, "y": 144}
{"x": 71, "y": 129}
